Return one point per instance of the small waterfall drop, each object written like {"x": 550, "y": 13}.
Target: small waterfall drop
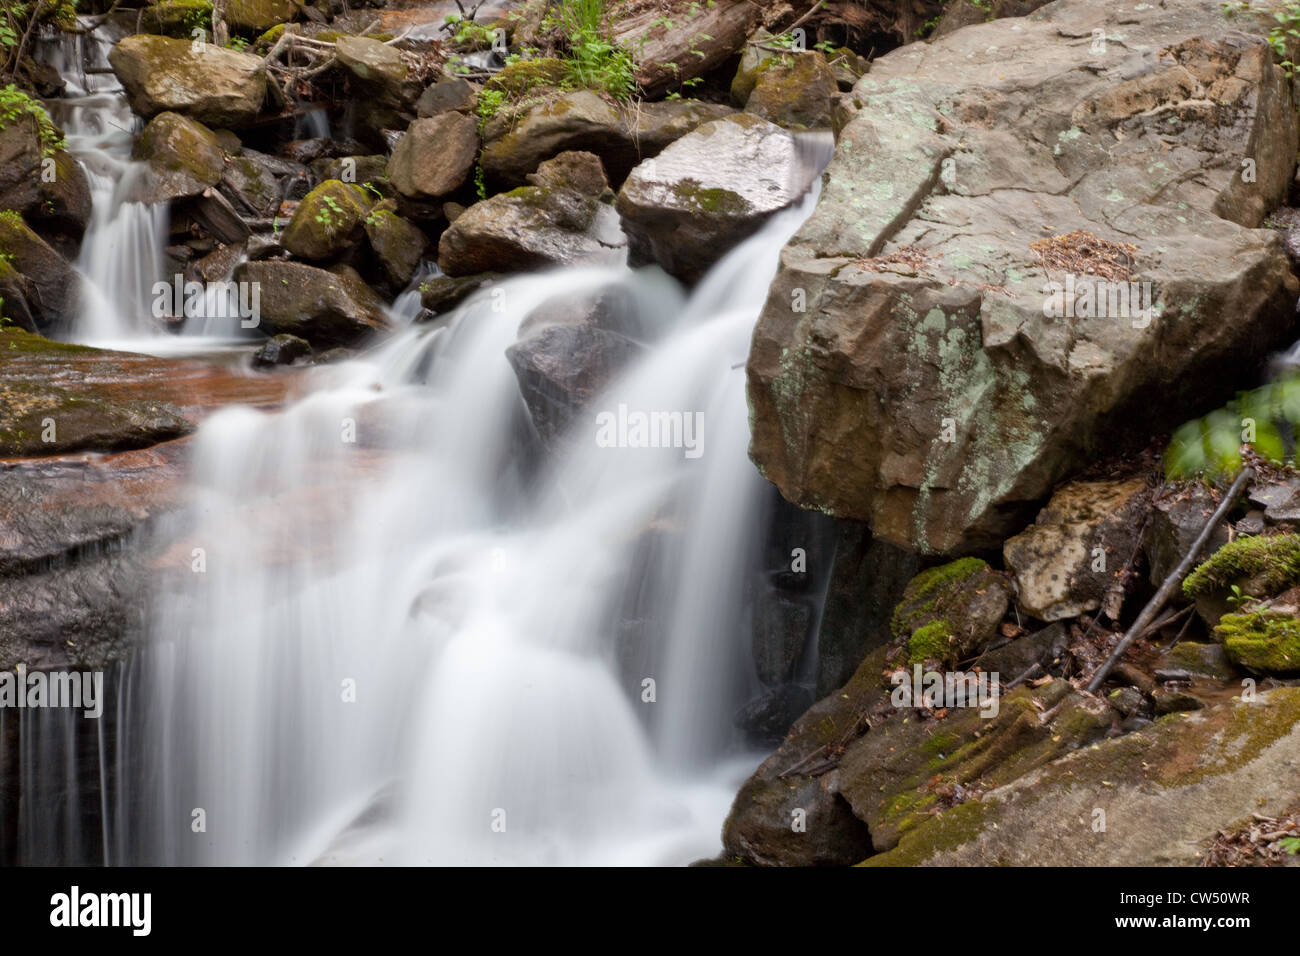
{"x": 420, "y": 646}
{"x": 122, "y": 252}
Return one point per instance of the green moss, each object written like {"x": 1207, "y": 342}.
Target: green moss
{"x": 922, "y": 594}
{"x": 931, "y": 642}
{"x": 710, "y": 200}
{"x": 1271, "y": 564}
{"x": 1262, "y": 640}
{"x": 519, "y": 78}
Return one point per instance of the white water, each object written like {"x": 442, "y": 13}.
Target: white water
{"x": 122, "y": 252}
{"x": 480, "y": 611}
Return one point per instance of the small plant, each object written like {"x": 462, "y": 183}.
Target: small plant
{"x": 14, "y": 103}
{"x": 595, "y": 61}
{"x": 1285, "y": 30}
{"x": 468, "y": 35}
{"x": 332, "y": 208}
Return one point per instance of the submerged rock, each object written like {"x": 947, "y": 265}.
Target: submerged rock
{"x": 208, "y": 83}
{"x": 914, "y": 367}
{"x": 282, "y": 350}
{"x": 688, "y": 206}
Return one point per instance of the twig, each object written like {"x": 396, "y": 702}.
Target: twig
{"x": 1172, "y": 581}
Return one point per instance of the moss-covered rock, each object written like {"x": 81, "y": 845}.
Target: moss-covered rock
{"x": 1264, "y": 640}
{"x": 795, "y": 91}
{"x": 328, "y": 221}
{"x": 907, "y": 765}
{"x": 1162, "y": 792}
{"x": 1262, "y": 567}
{"x": 38, "y": 418}
{"x": 54, "y": 283}
{"x": 398, "y": 245}
{"x": 949, "y": 612}
{"x": 208, "y": 83}
{"x": 178, "y": 18}
{"x": 184, "y": 158}
{"x": 256, "y": 16}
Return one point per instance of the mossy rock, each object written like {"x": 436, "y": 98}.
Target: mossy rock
{"x": 178, "y": 18}
{"x": 256, "y": 16}
{"x": 53, "y": 283}
{"x": 894, "y": 774}
{"x": 1264, "y": 640}
{"x": 184, "y": 158}
{"x": 521, "y": 78}
{"x": 949, "y": 612}
{"x": 328, "y": 221}
{"x": 398, "y": 245}
{"x": 795, "y": 91}
{"x": 1165, "y": 791}
{"x": 1269, "y": 565}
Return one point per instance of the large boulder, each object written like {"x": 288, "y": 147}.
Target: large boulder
{"x": 688, "y": 206}
{"x": 916, "y": 368}
{"x": 184, "y": 158}
{"x": 326, "y": 308}
{"x": 397, "y": 244}
{"x": 1071, "y": 558}
{"x": 434, "y": 156}
{"x": 208, "y": 83}
{"x": 561, "y": 220}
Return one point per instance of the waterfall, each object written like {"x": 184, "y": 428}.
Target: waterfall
{"x": 122, "y": 252}
{"x": 391, "y": 635}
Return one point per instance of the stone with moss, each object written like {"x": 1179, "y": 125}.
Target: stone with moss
{"x": 207, "y": 83}
{"x": 1261, "y": 566}
{"x": 184, "y": 158}
{"x": 948, "y": 613}
{"x": 794, "y": 90}
{"x": 178, "y": 18}
{"x": 328, "y": 221}
{"x": 53, "y": 283}
{"x": 257, "y": 16}
{"x": 398, "y": 245}
{"x": 1165, "y": 791}
{"x": 1266, "y": 641}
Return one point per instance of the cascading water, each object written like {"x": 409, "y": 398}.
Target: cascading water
{"x": 122, "y": 252}
{"x": 392, "y": 639}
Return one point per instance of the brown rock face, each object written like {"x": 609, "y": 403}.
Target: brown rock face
{"x": 434, "y": 156}
{"x": 925, "y": 364}
{"x": 208, "y": 83}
